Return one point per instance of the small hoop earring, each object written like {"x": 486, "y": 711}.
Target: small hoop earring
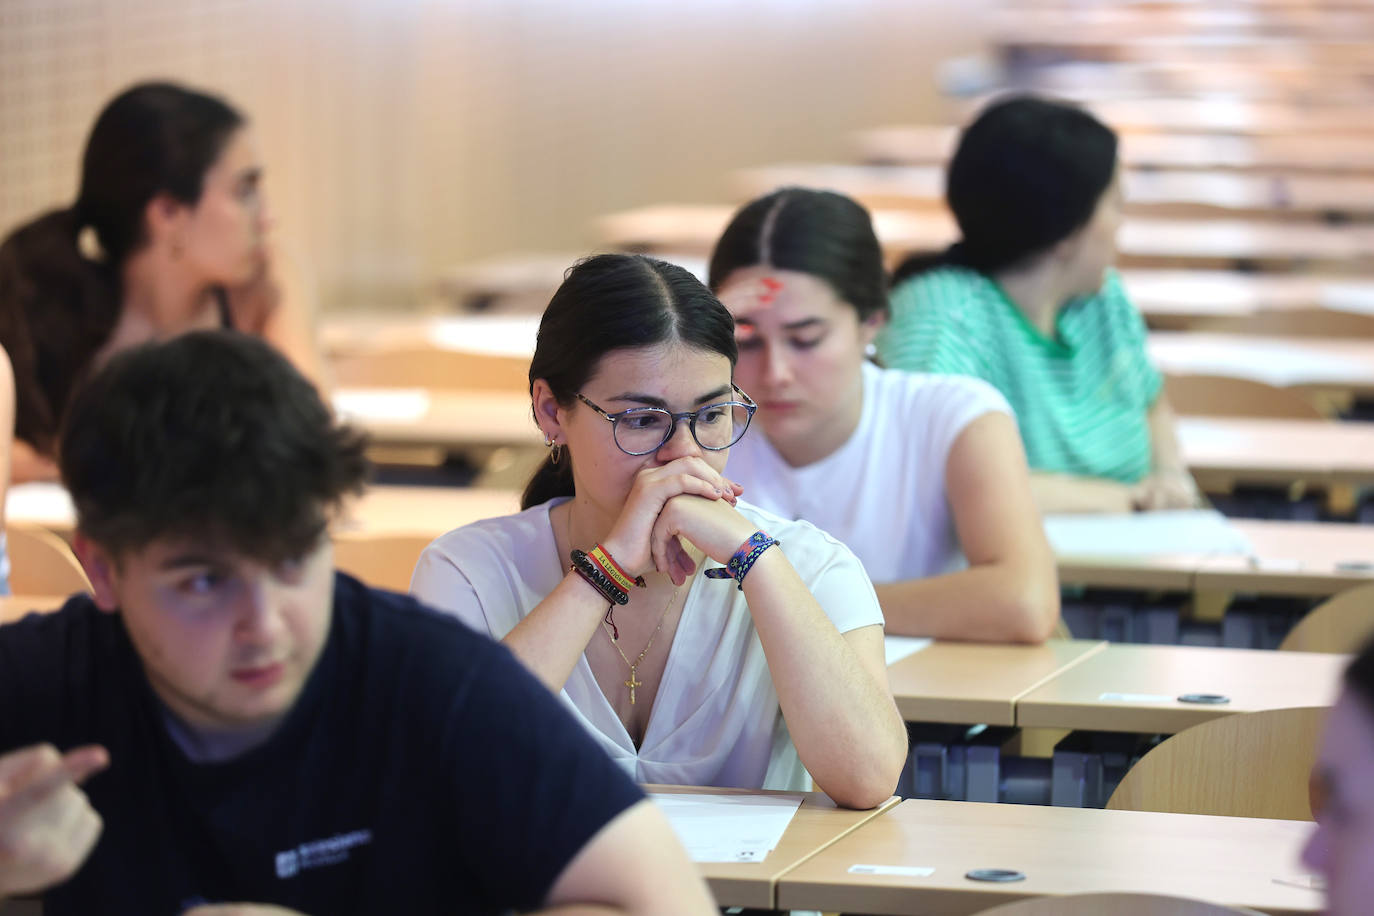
{"x": 547, "y": 442}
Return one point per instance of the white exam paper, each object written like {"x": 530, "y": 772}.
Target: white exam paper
{"x": 1139, "y": 534}
{"x": 728, "y": 828}
{"x": 394, "y": 405}
{"x": 896, "y": 648}
{"x": 40, "y": 504}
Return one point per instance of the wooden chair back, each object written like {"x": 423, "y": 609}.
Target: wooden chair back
{"x": 1222, "y": 396}
{"x": 1116, "y": 904}
{"x": 1341, "y": 624}
{"x": 41, "y": 563}
{"x": 430, "y": 367}
{"x": 1254, "y": 764}
{"x": 382, "y": 561}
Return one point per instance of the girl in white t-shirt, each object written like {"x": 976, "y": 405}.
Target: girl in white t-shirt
{"x": 684, "y": 678}
{"x": 923, "y": 476}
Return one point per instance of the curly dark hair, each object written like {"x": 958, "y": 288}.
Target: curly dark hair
{"x": 212, "y": 436}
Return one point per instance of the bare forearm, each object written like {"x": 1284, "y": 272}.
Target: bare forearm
{"x": 1056, "y": 493}
{"x": 983, "y": 603}
{"x": 842, "y": 720}
{"x": 553, "y": 636}
{"x": 1165, "y": 451}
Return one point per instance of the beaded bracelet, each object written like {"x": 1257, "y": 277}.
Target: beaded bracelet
{"x": 591, "y": 572}
{"x": 743, "y": 559}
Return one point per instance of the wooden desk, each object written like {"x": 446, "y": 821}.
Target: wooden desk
{"x": 1141, "y": 241}
{"x": 1319, "y": 452}
{"x": 1293, "y": 558}
{"x": 13, "y": 607}
{"x": 382, "y": 510}
{"x": 1204, "y": 194}
{"x": 1227, "y": 300}
{"x": 1086, "y": 695}
{"x": 1307, "y": 559}
{"x": 966, "y": 683}
{"x": 817, "y": 824}
{"x": 448, "y": 418}
{"x": 1307, "y": 363}
{"x": 934, "y": 144}
{"x": 1227, "y": 860}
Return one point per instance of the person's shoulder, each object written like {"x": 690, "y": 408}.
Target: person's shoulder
{"x": 501, "y": 537}
{"x": 912, "y": 395}
{"x": 943, "y": 287}
{"x": 77, "y": 619}
{"x": 794, "y": 534}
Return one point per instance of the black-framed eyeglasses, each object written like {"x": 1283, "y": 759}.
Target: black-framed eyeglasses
{"x": 715, "y": 427}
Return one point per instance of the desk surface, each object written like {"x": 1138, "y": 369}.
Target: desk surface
{"x": 1133, "y": 688}
{"x": 1289, "y": 558}
{"x": 817, "y": 824}
{"x": 1168, "y": 192}
{"x": 934, "y": 144}
{"x": 976, "y": 682}
{"x": 1308, "y": 362}
{"x": 1319, "y": 452}
{"x": 695, "y": 228}
{"x": 1227, "y": 860}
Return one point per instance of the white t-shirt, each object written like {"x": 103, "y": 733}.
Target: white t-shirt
{"x": 715, "y": 719}
{"x": 882, "y": 492}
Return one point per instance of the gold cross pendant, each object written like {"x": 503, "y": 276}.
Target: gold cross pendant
{"x": 632, "y": 683}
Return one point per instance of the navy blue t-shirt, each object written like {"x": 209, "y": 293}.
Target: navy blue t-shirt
{"x": 422, "y": 770}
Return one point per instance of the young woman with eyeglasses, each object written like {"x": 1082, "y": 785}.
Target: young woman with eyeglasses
{"x": 922, "y": 476}
{"x": 702, "y": 640}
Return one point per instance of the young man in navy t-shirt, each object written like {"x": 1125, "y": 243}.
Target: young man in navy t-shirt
{"x": 251, "y": 726}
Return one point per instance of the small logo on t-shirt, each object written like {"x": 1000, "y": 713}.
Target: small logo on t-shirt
{"x": 319, "y": 853}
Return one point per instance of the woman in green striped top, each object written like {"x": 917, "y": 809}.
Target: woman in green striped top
{"x": 1029, "y": 302}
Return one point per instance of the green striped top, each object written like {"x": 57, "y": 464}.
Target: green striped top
{"x": 1081, "y": 400}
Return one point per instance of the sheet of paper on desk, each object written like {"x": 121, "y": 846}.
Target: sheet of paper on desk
{"x": 391, "y": 405}
{"x": 728, "y": 828}
{"x": 897, "y": 648}
{"x": 495, "y": 335}
{"x": 1139, "y": 534}
{"x": 40, "y": 503}
{"x": 1275, "y": 364}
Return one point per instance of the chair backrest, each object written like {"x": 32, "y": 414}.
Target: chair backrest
{"x": 41, "y": 563}
{"x": 1247, "y": 765}
{"x": 1116, "y": 905}
{"x": 1222, "y": 396}
{"x": 382, "y": 561}
{"x": 430, "y": 367}
{"x": 1339, "y": 624}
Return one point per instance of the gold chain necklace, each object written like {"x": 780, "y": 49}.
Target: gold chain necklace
{"x": 634, "y": 682}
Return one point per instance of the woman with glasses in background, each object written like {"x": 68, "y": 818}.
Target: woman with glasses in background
{"x": 921, "y": 475}
{"x": 703, "y": 641}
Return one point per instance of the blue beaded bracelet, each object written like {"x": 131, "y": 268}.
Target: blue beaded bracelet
{"x": 743, "y": 559}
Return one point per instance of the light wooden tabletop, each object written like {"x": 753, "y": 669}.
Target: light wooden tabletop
{"x": 1228, "y": 860}
{"x": 1141, "y": 241}
{"x": 817, "y": 824}
{"x": 1322, "y": 453}
{"x": 1135, "y": 688}
{"x": 966, "y": 683}
{"x": 1178, "y": 193}
{"x": 934, "y": 144}
{"x": 1310, "y": 559}
{"x": 1309, "y": 362}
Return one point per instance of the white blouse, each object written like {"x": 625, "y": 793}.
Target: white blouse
{"x": 715, "y": 719}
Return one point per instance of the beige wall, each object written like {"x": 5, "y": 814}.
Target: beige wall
{"x": 403, "y": 136}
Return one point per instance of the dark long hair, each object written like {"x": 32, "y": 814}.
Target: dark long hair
{"x": 1359, "y": 675}
{"x": 617, "y": 302}
{"x": 821, "y": 233}
{"x": 59, "y": 305}
{"x": 1027, "y": 174}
